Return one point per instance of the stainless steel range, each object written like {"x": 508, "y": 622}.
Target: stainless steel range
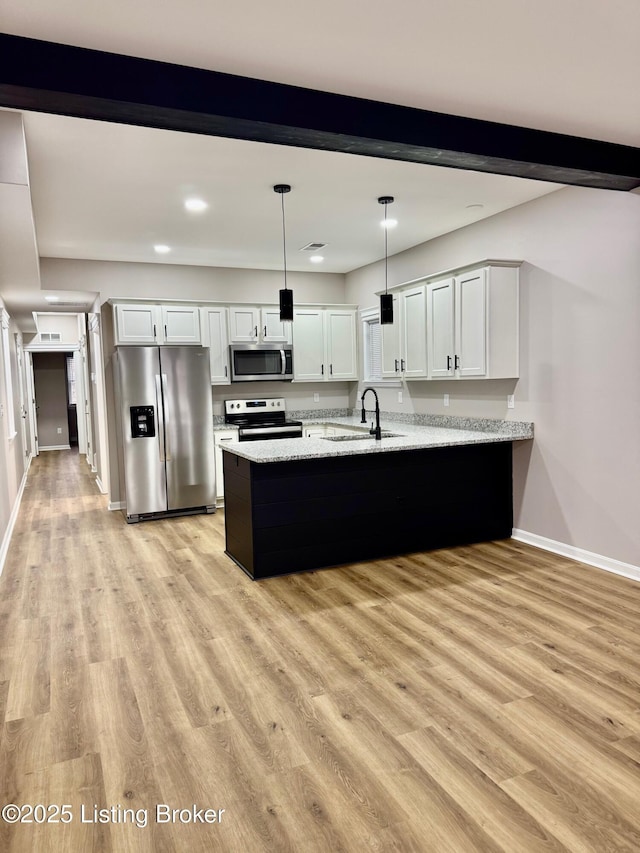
{"x": 259, "y": 420}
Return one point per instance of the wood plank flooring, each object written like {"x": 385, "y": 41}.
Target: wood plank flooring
{"x": 484, "y": 698}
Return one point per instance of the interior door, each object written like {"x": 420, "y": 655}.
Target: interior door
{"x": 31, "y": 405}
{"x": 23, "y": 398}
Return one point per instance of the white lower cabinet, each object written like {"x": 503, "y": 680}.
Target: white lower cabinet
{"x": 325, "y": 345}
{"x": 220, "y": 437}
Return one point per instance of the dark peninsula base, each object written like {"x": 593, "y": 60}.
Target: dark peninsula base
{"x": 284, "y": 517}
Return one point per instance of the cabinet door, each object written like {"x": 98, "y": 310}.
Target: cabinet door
{"x": 137, "y": 324}
{"x": 414, "y": 328}
{"x": 342, "y": 349}
{"x": 272, "y": 328}
{"x": 471, "y": 323}
{"x": 217, "y": 339}
{"x": 440, "y": 328}
{"x": 244, "y": 323}
{"x": 181, "y": 324}
{"x": 391, "y": 344}
{"x": 219, "y": 440}
{"x": 308, "y": 345}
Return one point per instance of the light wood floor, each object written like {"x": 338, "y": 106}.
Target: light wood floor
{"x": 481, "y": 698}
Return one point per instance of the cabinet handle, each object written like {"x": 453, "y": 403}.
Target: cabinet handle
{"x": 154, "y": 330}
{"x": 396, "y": 363}
{"x": 264, "y": 334}
{"x": 322, "y": 369}
{"x": 255, "y": 332}
{"x": 448, "y": 362}
{"x": 226, "y": 373}
{"x": 165, "y": 332}
{"x": 331, "y": 370}
{"x": 402, "y": 364}
{"x": 456, "y": 362}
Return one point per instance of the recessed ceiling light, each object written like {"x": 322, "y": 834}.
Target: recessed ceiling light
{"x": 196, "y": 205}
{"x": 52, "y": 298}
{"x": 316, "y": 259}
{"x": 475, "y": 206}
{"x": 161, "y": 249}
{"x": 389, "y": 223}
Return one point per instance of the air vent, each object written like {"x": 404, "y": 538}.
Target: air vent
{"x": 50, "y": 337}
{"x": 313, "y": 247}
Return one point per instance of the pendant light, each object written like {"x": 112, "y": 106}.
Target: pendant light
{"x": 286, "y": 295}
{"x": 386, "y": 298}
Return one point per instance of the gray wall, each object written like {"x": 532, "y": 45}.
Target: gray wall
{"x": 578, "y": 483}
{"x": 51, "y": 399}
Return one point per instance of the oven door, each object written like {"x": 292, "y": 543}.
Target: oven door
{"x": 255, "y": 362}
{"x": 265, "y": 433}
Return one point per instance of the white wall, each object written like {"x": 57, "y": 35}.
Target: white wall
{"x": 13, "y": 461}
{"x": 579, "y": 482}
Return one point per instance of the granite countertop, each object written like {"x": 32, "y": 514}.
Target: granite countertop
{"x": 406, "y": 436}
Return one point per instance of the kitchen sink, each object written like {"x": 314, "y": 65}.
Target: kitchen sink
{"x": 360, "y": 436}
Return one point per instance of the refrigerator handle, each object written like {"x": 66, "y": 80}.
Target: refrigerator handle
{"x": 160, "y": 419}
{"x": 165, "y": 401}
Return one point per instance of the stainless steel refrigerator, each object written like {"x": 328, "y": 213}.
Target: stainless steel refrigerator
{"x": 165, "y": 435}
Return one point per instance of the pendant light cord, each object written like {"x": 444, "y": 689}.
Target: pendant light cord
{"x": 284, "y": 242}
{"x": 385, "y": 250}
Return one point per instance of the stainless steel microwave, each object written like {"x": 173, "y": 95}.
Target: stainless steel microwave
{"x": 256, "y": 362}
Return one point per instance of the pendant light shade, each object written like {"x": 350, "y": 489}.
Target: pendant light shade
{"x": 386, "y": 298}
{"x": 286, "y": 295}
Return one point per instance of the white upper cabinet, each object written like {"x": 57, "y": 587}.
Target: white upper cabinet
{"x": 414, "y": 332}
{"x": 181, "y": 324}
{"x": 216, "y": 337}
{"x": 308, "y": 345}
{"x": 404, "y": 342}
{"x": 255, "y": 324}
{"x": 342, "y": 348}
{"x": 473, "y": 324}
{"x": 139, "y": 323}
{"x": 440, "y": 328}
{"x": 325, "y": 344}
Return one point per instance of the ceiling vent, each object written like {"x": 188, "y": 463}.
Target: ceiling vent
{"x": 50, "y": 337}
{"x": 313, "y": 247}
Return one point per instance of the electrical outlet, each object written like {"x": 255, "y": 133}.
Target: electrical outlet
{"x": 316, "y": 398}
{"x": 446, "y": 399}
{"x": 399, "y": 396}
{"x": 59, "y": 430}
{"x": 511, "y": 402}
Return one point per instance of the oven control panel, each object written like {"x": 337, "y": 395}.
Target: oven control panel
{"x": 239, "y": 407}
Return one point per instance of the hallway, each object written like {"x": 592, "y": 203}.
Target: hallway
{"x": 483, "y": 698}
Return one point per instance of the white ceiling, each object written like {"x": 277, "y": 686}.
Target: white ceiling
{"x": 108, "y": 191}
{"x": 571, "y": 66}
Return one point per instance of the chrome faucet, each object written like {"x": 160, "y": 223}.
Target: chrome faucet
{"x": 377, "y": 431}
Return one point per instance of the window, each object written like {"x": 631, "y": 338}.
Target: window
{"x": 372, "y": 341}
{"x": 8, "y": 383}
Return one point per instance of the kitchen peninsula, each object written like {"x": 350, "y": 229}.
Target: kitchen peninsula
{"x": 305, "y": 503}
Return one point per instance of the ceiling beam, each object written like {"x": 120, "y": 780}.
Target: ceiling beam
{"x": 55, "y": 78}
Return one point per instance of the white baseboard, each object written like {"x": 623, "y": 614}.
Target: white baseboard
{"x": 113, "y": 505}
{"x": 55, "y": 447}
{"x": 628, "y": 570}
{"x": 4, "y": 548}
{"x": 100, "y": 486}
